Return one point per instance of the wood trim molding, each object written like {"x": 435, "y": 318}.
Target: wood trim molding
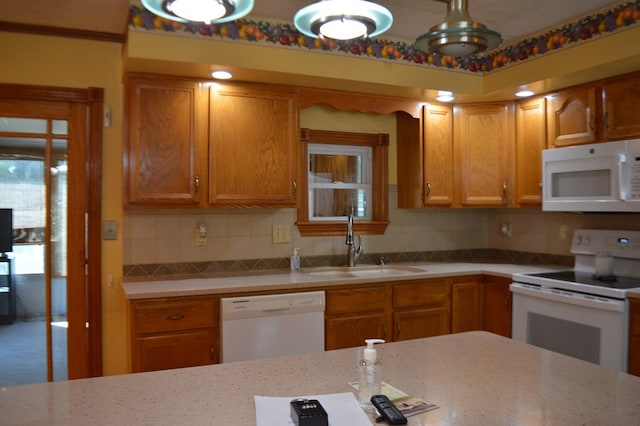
{"x": 351, "y": 101}
{"x": 63, "y": 32}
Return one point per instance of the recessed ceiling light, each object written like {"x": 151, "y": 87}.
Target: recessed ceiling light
{"x": 445, "y": 96}
{"x": 221, "y": 75}
{"x": 524, "y": 93}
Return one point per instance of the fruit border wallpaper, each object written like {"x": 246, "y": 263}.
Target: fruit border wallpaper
{"x": 620, "y": 17}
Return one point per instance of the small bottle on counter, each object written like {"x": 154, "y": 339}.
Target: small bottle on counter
{"x": 295, "y": 261}
{"x": 370, "y": 372}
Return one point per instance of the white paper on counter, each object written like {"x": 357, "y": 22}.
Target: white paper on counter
{"x": 342, "y": 410}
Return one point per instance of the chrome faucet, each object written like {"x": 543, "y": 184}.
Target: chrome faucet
{"x": 353, "y": 253}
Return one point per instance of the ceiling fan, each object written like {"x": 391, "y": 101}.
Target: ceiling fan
{"x": 458, "y": 34}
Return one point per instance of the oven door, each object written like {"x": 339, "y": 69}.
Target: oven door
{"x": 591, "y": 328}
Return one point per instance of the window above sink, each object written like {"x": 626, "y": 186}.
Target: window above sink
{"x": 340, "y": 171}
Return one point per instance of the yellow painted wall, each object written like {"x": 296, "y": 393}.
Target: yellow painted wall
{"x": 65, "y": 62}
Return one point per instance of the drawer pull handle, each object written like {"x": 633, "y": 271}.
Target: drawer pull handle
{"x": 175, "y": 317}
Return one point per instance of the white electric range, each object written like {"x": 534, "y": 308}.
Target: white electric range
{"x": 582, "y": 312}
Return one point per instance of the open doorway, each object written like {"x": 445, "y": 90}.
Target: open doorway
{"x": 50, "y": 326}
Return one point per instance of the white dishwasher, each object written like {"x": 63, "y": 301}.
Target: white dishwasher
{"x": 273, "y": 325}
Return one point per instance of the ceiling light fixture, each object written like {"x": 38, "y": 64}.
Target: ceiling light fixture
{"x": 343, "y": 19}
{"x": 221, "y": 75}
{"x": 207, "y": 11}
{"x": 524, "y": 93}
{"x": 458, "y": 35}
{"x": 445, "y": 96}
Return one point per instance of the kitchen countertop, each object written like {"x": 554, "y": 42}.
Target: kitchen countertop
{"x": 475, "y": 378}
{"x": 308, "y": 279}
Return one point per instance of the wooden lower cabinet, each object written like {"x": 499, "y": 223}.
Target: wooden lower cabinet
{"x": 174, "y": 332}
{"x": 421, "y": 309}
{"x": 354, "y": 314}
{"x": 466, "y": 304}
{"x": 496, "y": 305}
{"x": 634, "y": 337}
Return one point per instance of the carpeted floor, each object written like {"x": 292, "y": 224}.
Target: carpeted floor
{"x": 23, "y": 352}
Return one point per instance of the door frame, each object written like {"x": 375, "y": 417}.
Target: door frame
{"x": 93, "y": 98}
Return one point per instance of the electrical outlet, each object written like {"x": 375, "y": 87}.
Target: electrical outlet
{"x": 563, "y": 233}
{"x": 281, "y": 234}
{"x": 505, "y": 229}
{"x": 201, "y": 235}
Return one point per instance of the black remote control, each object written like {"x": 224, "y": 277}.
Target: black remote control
{"x": 388, "y": 412}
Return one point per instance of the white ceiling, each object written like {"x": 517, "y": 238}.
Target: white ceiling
{"x": 512, "y": 18}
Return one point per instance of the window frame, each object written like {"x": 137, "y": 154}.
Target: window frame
{"x": 379, "y": 144}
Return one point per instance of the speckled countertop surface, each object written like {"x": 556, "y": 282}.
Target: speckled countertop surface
{"x": 476, "y": 378}
{"x": 310, "y": 278}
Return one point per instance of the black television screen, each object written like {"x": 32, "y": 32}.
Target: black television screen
{"x": 6, "y": 230}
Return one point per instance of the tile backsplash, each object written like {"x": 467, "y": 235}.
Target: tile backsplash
{"x": 164, "y": 241}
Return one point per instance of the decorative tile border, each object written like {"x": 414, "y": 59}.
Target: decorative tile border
{"x": 603, "y": 22}
{"x": 278, "y": 265}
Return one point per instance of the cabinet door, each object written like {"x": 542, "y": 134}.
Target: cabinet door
{"x": 496, "y": 312}
{"x": 571, "y": 116}
{"x": 438, "y": 155}
{"x": 621, "y": 107}
{"x": 174, "y": 350}
{"x": 484, "y": 141}
{"x": 466, "y": 305}
{"x": 417, "y": 323}
{"x": 253, "y": 146}
{"x": 166, "y": 141}
{"x": 634, "y": 337}
{"x": 349, "y": 331}
{"x": 531, "y": 139}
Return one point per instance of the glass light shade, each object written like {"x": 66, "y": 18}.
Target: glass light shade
{"x": 445, "y": 96}
{"x": 343, "y": 29}
{"x": 198, "y": 10}
{"x": 312, "y": 19}
{"x": 234, "y": 9}
{"x": 221, "y": 75}
{"x": 524, "y": 93}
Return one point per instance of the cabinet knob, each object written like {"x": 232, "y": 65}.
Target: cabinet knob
{"x": 428, "y": 190}
{"x": 505, "y": 188}
{"x": 197, "y": 183}
{"x": 295, "y": 186}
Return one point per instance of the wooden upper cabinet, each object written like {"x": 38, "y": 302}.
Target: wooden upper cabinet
{"x": 571, "y": 116}
{"x": 531, "y": 139}
{"x": 484, "y": 144}
{"x": 165, "y": 141}
{"x": 621, "y": 107}
{"x": 253, "y": 146}
{"x": 438, "y": 155}
{"x": 425, "y": 156}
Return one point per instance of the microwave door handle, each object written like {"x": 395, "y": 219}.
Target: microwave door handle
{"x": 622, "y": 177}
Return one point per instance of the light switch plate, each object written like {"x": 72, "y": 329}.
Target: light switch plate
{"x": 281, "y": 234}
{"x": 110, "y": 230}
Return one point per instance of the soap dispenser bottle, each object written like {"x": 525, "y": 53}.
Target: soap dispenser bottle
{"x": 370, "y": 372}
{"x": 295, "y": 260}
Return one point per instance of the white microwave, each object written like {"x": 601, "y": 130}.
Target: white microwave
{"x": 603, "y": 177}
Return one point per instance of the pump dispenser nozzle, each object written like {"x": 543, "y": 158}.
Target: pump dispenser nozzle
{"x": 370, "y": 353}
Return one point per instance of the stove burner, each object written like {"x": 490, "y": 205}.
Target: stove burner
{"x": 605, "y": 278}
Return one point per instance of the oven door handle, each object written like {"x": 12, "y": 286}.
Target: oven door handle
{"x": 563, "y": 296}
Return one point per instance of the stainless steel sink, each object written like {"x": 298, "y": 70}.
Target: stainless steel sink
{"x": 367, "y": 271}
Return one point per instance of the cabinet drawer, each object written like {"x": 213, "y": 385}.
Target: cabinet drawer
{"x": 170, "y": 315}
{"x": 364, "y": 299}
{"x": 423, "y": 293}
